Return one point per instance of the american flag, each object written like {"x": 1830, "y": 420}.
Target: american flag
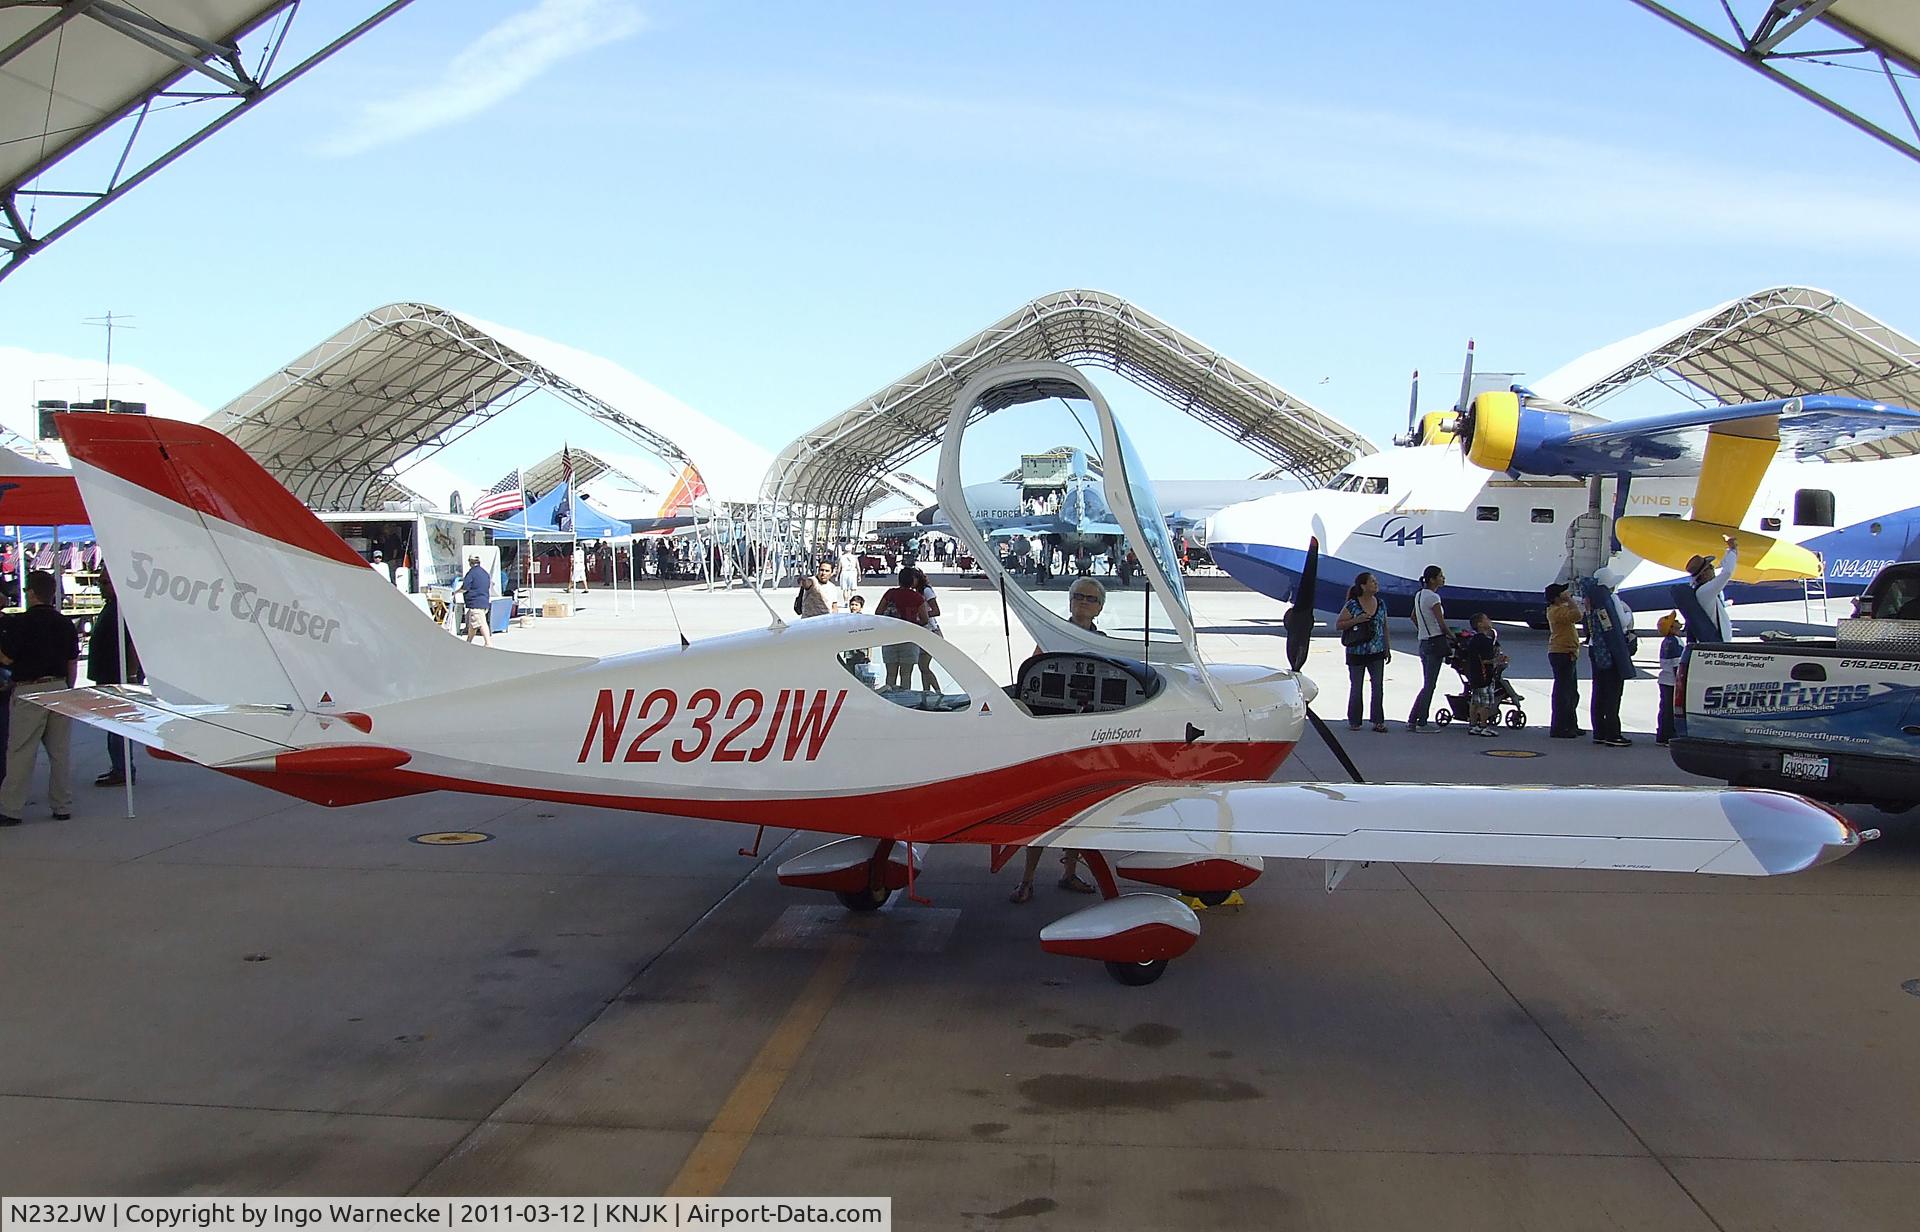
{"x": 563, "y": 512}
{"x": 502, "y": 498}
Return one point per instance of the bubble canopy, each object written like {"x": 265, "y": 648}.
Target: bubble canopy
{"x": 1084, "y": 559}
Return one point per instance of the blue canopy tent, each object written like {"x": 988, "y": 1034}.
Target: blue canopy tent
{"x": 547, "y": 516}
{"x": 46, "y": 534}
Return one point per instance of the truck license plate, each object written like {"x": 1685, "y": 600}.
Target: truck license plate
{"x": 1803, "y": 766}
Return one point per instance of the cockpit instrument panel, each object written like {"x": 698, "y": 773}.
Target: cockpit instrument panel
{"x": 1074, "y": 683}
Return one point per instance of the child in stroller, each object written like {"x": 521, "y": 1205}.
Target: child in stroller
{"x": 1494, "y": 691}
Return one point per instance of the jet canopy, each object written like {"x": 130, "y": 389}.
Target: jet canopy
{"x": 1094, "y": 516}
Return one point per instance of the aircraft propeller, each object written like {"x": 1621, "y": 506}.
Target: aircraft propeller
{"x": 1299, "y": 622}
{"x": 1462, "y": 427}
{"x": 1413, "y": 414}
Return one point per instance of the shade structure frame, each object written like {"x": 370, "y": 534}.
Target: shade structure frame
{"x": 1780, "y": 342}
{"x": 112, "y": 78}
{"x": 340, "y": 423}
{"x": 825, "y": 477}
{"x": 1791, "y": 41}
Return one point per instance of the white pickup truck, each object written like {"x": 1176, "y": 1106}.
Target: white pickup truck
{"x": 1834, "y": 720}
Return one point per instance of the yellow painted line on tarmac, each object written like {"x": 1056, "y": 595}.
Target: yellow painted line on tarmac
{"x": 718, "y": 1152}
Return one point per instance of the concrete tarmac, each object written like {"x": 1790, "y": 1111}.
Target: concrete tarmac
{"x": 239, "y": 993}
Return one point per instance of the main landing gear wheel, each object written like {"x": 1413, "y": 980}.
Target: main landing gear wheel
{"x": 1516, "y": 718}
{"x": 1136, "y": 975}
{"x": 863, "y": 900}
{"x": 1212, "y": 898}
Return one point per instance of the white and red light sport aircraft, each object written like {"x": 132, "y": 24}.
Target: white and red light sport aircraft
{"x": 276, "y": 655}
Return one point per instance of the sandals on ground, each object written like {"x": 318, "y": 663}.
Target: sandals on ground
{"x": 1072, "y": 882}
{"x": 1021, "y": 893}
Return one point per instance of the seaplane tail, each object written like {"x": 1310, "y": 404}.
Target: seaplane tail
{"x": 268, "y": 642}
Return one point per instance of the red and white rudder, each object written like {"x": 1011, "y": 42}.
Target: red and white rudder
{"x": 235, "y": 593}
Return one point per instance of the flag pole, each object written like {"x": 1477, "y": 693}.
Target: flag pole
{"x": 526, "y": 541}
{"x": 573, "y": 531}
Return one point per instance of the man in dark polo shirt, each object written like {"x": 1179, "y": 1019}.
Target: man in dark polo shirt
{"x": 43, "y": 651}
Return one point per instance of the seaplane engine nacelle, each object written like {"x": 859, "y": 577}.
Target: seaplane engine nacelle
{"x": 1500, "y": 433}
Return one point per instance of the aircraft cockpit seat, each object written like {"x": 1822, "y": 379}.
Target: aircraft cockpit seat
{"x": 1073, "y": 682}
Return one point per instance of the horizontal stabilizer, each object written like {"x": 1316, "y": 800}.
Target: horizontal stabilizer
{"x": 1652, "y": 829}
{"x": 1673, "y": 541}
{"x": 257, "y": 738}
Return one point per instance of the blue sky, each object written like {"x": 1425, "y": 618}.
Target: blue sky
{"x": 771, "y": 210}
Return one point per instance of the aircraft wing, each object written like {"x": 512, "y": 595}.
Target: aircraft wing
{"x": 1676, "y": 444}
{"x": 1741, "y": 832}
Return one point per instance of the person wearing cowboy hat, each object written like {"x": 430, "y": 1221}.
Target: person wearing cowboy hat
{"x": 1703, "y": 601}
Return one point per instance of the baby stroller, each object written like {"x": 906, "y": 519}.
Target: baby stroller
{"x": 1506, "y": 698}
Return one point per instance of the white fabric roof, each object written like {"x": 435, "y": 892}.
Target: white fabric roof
{"x": 72, "y": 75}
{"x": 1774, "y": 343}
{"x": 731, "y": 465}
{"x": 840, "y": 465}
{"x": 111, "y": 78}
{"x": 404, "y": 380}
{"x": 1893, "y": 26}
{"x": 1855, "y": 59}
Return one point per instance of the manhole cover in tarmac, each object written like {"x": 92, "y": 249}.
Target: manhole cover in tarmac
{"x": 451, "y": 838}
{"x": 1510, "y": 753}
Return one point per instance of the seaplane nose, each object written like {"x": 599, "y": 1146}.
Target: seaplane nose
{"x": 1262, "y": 543}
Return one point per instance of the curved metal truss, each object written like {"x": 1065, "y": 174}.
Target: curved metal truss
{"x": 1789, "y": 41}
{"x": 406, "y": 380}
{"x": 826, "y": 476}
{"x": 134, "y": 86}
{"x": 1776, "y": 343}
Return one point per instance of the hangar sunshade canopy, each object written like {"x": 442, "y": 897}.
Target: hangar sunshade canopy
{"x": 127, "y": 86}
{"x": 1857, "y": 59}
{"x": 338, "y": 425}
{"x": 1776, "y": 343}
{"x": 830, "y": 474}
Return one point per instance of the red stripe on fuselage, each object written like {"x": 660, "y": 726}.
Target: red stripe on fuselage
{"x": 203, "y": 470}
{"x": 1011, "y": 804}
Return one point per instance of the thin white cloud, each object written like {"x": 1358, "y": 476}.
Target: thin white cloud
{"x": 491, "y": 69}
{"x": 1541, "y": 176}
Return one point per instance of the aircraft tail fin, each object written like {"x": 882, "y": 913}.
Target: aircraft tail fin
{"x": 1674, "y": 541}
{"x": 234, "y": 592}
